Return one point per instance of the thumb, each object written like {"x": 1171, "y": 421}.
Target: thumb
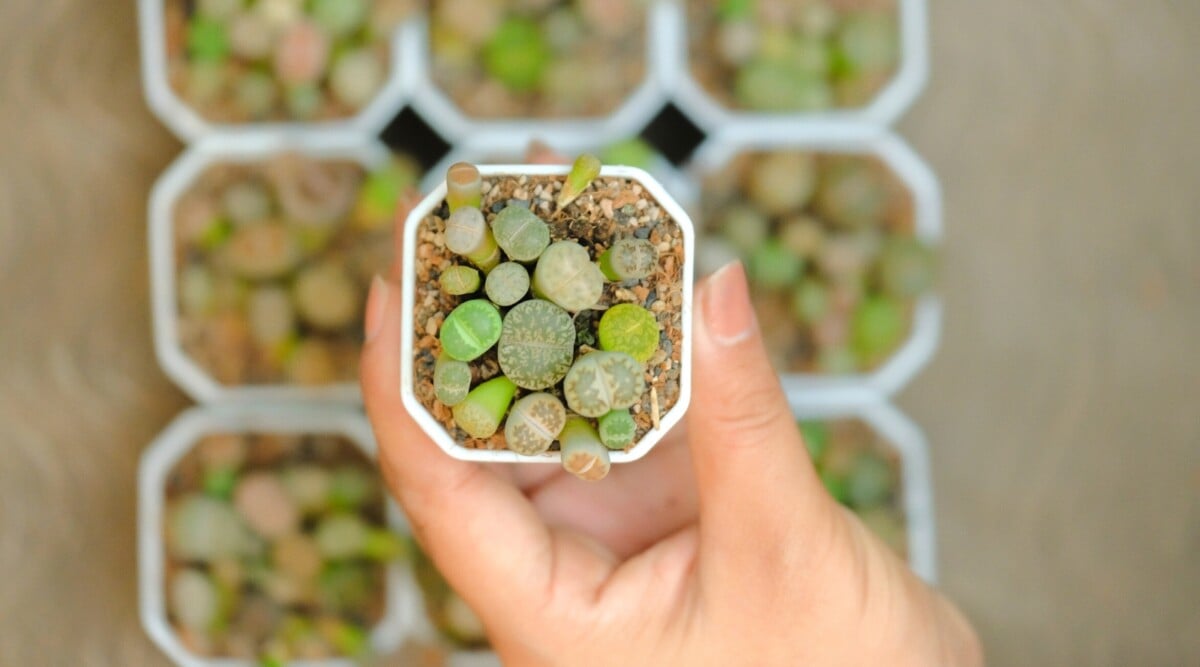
{"x": 756, "y": 482}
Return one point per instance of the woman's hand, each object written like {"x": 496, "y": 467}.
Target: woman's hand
{"x": 720, "y": 548}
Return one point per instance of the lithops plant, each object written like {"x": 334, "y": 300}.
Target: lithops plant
{"x": 779, "y": 57}
{"x": 280, "y": 60}
{"x": 505, "y": 366}
{"x": 281, "y": 568}
{"x": 274, "y": 259}
{"x": 829, "y": 244}
{"x": 459, "y": 280}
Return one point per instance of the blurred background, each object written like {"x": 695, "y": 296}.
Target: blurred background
{"x": 1058, "y": 406}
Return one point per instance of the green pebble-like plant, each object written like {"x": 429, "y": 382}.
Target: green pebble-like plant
{"x": 459, "y": 280}
{"x": 483, "y": 410}
{"x": 451, "y": 380}
{"x": 507, "y": 284}
{"x": 585, "y": 170}
{"x": 877, "y": 328}
{"x": 851, "y": 194}
{"x": 583, "y": 454}
{"x": 617, "y": 429}
{"x": 537, "y": 344}
{"x": 629, "y": 259}
{"x": 774, "y": 267}
{"x": 566, "y": 275}
{"x": 629, "y": 328}
{"x": 534, "y": 423}
{"x": 520, "y": 233}
{"x": 600, "y": 382}
{"x": 471, "y": 329}
{"x": 517, "y": 54}
{"x": 906, "y": 267}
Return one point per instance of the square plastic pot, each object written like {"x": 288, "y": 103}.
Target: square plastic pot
{"x": 403, "y": 609}
{"x": 433, "y": 428}
{"x": 885, "y": 108}
{"x": 500, "y": 148}
{"x": 925, "y": 334}
{"x": 909, "y": 442}
{"x": 189, "y": 125}
{"x": 174, "y": 182}
{"x": 445, "y": 116}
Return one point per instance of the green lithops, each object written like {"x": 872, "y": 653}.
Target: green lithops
{"x": 534, "y": 423}
{"x": 600, "y": 382}
{"x": 585, "y": 170}
{"x": 517, "y": 54}
{"x": 868, "y": 42}
{"x": 744, "y": 226}
{"x": 906, "y": 267}
{"x": 629, "y": 328}
{"x": 520, "y": 233}
{"x": 773, "y": 266}
{"x": 782, "y": 182}
{"x": 482, "y": 411}
{"x": 459, "y": 280}
{"x": 451, "y": 380}
{"x": 468, "y": 235}
{"x": 617, "y": 429}
{"x": 629, "y": 259}
{"x": 471, "y": 329}
{"x": 583, "y": 454}
{"x": 878, "y": 326}
{"x": 507, "y": 284}
{"x": 566, "y": 275}
{"x": 537, "y": 344}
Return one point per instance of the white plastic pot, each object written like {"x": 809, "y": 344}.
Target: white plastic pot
{"x": 433, "y": 428}
{"x": 189, "y": 125}
{"x": 909, "y": 442}
{"x": 712, "y": 114}
{"x": 171, "y": 185}
{"x": 403, "y": 598}
{"x": 924, "y": 336}
{"x": 500, "y": 148}
{"x": 445, "y": 116}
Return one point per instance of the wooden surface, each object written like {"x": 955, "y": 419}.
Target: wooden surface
{"x": 1062, "y": 406}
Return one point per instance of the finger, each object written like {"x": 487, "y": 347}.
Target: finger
{"x": 481, "y": 531}
{"x": 539, "y": 152}
{"x": 756, "y": 482}
{"x": 637, "y": 505}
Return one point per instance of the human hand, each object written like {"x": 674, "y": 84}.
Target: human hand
{"x": 720, "y": 548}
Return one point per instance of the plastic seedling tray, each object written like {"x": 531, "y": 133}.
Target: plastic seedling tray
{"x": 925, "y": 334}
{"x": 403, "y": 598}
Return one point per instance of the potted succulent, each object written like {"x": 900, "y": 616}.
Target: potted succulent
{"x": 262, "y": 253}
{"x": 779, "y": 61}
{"x": 231, "y": 64}
{"x": 875, "y": 462}
{"x": 839, "y": 237}
{"x": 553, "y": 69}
{"x": 266, "y": 537}
{"x": 547, "y": 313}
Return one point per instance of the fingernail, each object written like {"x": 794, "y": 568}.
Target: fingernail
{"x": 728, "y": 313}
{"x": 376, "y": 300}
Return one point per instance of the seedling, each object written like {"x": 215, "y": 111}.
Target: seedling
{"x": 470, "y": 330}
{"x": 629, "y": 259}
{"x": 583, "y": 172}
{"x": 537, "y": 344}
{"x": 617, "y": 429}
{"x": 521, "y": 234}
{"x": 629, "y": 328}
{"x": 534, "y": 423}
{"x": 600, "y": 382}
{"x": 583, "y": 454}
{"x": 484, "y": 408}
{"x": 507, "y": 284}
{"x": 451, "y": 380}
{"x": 566, "y": 275}
{"x": 459, "y": 280}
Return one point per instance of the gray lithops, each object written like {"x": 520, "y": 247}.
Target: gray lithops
{"x": 205, "y": 529}
{"x": 583, "y": 455}
{"x": 521, "y": 234}
{"x": 270, "y": 314}
{"x": 468, "y": 235}
{"x": 600, "y": 382}
{"x": 507, "y": 284}
{"x": 326, "y": 296}
{"x": 566, "y": 275}
{"x": 194, "y": 600}
{"x": 629, "y": 259}
{"x": 537, "y": 344}
{"x": 534, "y": 423}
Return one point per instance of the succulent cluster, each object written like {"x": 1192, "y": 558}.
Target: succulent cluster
{"x": 540, "y": 58}
{"x": 786, "y": 55}
{"x": 274, "y": 261}
{"x": 253, "y": 60}
{"x": 533, "y": 288}
{"x": 829, "y": 244}
{"x": 862, "y": 472}
{"x": 276, "y": 548}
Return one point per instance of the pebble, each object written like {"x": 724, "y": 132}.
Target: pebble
{"x": 642, "y": 232}
{"x": 606, "y": 206}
